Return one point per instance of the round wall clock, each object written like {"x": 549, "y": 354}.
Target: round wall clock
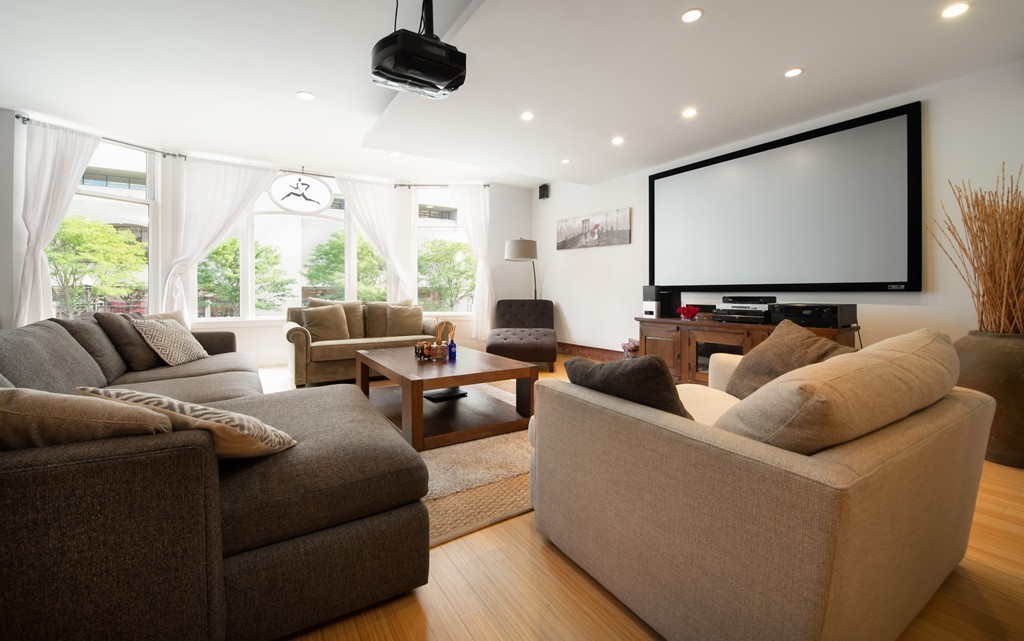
{"x": 301, "y": 193}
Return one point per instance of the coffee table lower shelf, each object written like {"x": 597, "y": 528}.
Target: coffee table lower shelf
{"x": 476, "y": 415}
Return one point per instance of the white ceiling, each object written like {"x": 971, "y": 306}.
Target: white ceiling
{"x": 218, "y": 78}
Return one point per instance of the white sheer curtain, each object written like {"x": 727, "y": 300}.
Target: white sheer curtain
{"x": 474, "y": 212}
{"x": 55, "y": 159}
{"x": 374, "y": 208}
{"x": 216, "y": 195}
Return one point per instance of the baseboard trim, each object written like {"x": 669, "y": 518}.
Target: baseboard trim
{"x": 593, "y": 353}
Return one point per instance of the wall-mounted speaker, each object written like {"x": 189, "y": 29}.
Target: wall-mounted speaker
{"x": 544, "y": 191}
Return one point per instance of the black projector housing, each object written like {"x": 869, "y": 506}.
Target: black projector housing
{"x": 422, "y": 64}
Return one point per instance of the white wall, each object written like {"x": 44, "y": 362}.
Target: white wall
{"x": 13, "y": 236}
{"x": 970, "y": 126}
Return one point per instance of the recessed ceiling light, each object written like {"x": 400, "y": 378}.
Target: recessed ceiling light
{"x": 565, "y": 161}
{"x": 693, "y": 15}
{"x": 618, "y": 140}
{"x": 305, "y": 95}
{"x": 954, "y": 10}
{"x": 690, "y": 112}
{"x": 527, "y": 116}
{"x": 794, "y": 72}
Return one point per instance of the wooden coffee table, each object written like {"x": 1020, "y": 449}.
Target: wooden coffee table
{"x": 475, "y": 415}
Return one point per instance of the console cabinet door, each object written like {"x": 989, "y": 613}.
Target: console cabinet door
{"x": 701, "y": 344}
{"x": 664, "y": 342}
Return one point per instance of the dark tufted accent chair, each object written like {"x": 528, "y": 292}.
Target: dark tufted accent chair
{"x": 524, "y": 329}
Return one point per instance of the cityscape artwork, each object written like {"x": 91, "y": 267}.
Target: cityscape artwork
{"x": 611, "y": 227}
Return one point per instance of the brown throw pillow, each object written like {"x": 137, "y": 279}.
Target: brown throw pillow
{"x": 405, "y": 320}
{"x": 134, "y": 349}
{"x": 376, "y": 320}
{"x": 87, "y": 331}
{"x": 326, "y": 323}
{"x": 30, "y": 418}
{"x": 787, "y": 348}
{"x": 645, "y": 380}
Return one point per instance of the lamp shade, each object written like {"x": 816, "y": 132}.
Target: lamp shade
{"x": 521, "y": 250}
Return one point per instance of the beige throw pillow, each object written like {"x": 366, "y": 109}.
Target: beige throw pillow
{"x": 234, "y": 435}
{"x": 822, "y": 405}
{"x": 787, "y": 348}
{"x": 170, "y": 340}
{"x": 178, "y": 316}
{"x": 30, "y": 418}
{"x": 326, "y": 323}
{"x": 405, "y": 320}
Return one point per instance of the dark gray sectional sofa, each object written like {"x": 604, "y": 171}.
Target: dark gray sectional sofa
{"x": 153, "y": 537}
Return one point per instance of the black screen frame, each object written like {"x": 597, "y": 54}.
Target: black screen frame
{"x": 913, "y": 283}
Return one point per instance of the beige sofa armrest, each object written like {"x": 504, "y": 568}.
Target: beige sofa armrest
{"x": 681, "y": 521}
{"x": 721, "y": 368}
{"x": 298, "y": 358}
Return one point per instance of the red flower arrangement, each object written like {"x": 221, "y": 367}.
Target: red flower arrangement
{"x": 688, "y": 311}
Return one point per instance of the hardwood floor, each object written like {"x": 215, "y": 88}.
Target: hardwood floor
{"x": 508, "y": 583}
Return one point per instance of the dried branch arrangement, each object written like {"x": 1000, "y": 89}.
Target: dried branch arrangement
{"x": 987, "y": 250}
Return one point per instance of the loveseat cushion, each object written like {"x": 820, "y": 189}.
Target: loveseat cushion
{"x": 404, "y": 320}
{"x": 44, "y": 356}
{"x": 787, "y": 348}
{"x": 326, "y": 323}
{"x": 349, "y": 462}
{"x": 822, "y": 405}
{"x": 343, "y": 350}
{"x": 353, "y": 314}
{"x": 94, "y": 340}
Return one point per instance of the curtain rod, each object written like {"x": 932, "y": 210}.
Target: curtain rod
{"x": 26, "y": 120}
{"x": 397, "y": 185}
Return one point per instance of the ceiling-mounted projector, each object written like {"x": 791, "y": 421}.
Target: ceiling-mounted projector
{"x": 419, "y": 63}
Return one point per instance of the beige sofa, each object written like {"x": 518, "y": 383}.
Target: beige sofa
{"x": 369, "y": 326}
{"x": 710, "y": 534}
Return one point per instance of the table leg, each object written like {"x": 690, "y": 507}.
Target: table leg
{"x": 363, "y": 375}
{"x": 524, "y": 393}
{"x": 412, "y": 413}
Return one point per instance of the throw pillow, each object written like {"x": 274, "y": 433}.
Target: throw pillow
{"x": 134, "y": 349}
{"x": 31, "y": 418}
{"x": 353, "y": 314}
{"x": 234, "y": 435}
{"x": 787, "y": 348}
{"x": 326, "y": 323}
{"x": 87, "y": 331}
{"x": 645, "y": 380}
{"x": 825, "y": 404}
{"x": 178, "y": 316}
{"x": 4, "y": 382}
{"x": 376, "y": 320}
{"x": 168, "y": 338}
{"x": 405, "y": 321}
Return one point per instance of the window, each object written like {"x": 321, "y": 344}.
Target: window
{"x": 99, "y": 257}
{"x": 277, "y": 259}
{"x": 446, "y": 265}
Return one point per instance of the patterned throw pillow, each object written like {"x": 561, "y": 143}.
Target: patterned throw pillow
{"x": 172, "y": 342}
{"x": 234, "y": 435}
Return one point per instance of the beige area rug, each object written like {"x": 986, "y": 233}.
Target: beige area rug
{"x": 476, "y": 484}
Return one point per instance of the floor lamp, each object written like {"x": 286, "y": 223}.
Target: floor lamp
{"x": 520, "y": 251}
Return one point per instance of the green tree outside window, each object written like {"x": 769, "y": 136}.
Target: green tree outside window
{"x": 447, "y": 274}
{"x": 218, "y": 277}
{"x": 326, "y": 268}
{"x": 91, "y": 261}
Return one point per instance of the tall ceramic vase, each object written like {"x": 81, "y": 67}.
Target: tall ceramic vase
{"x": 994, "y": 364}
